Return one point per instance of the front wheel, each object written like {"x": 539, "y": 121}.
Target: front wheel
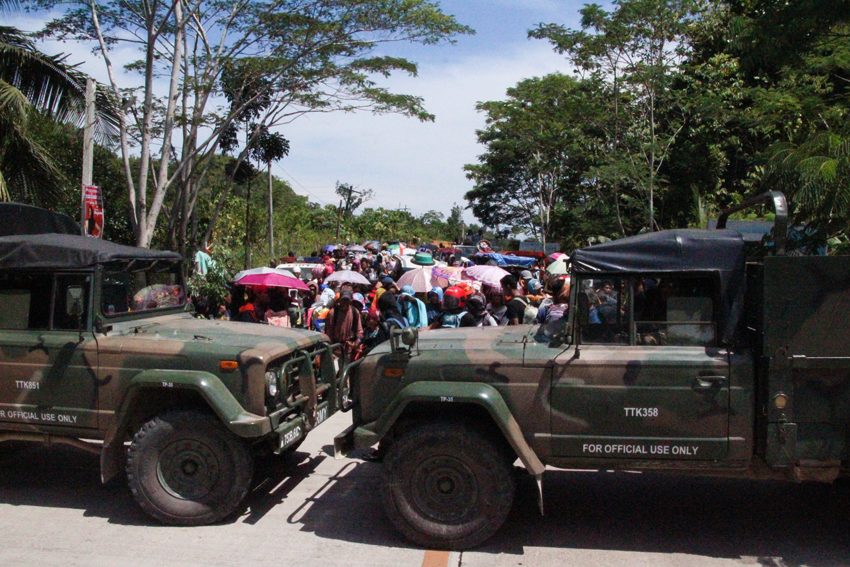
{"x": 184, "y": 468}
{"x": 447, "y": 486}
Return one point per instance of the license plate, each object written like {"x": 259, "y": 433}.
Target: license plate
{"x": 321, "y": 414}
{"x": 291, "y": 437}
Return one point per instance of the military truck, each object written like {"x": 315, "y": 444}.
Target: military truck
{"x": 679, "y": 353}
{"x": 98, "y": 352}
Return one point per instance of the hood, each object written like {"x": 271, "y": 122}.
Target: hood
{"x": 468, "y": 338}
{"x": 184, "y": 328}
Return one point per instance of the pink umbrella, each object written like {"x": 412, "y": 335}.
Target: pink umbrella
{"x": 490, "y": 275}
{"x": 444, "y": 276}
{"x": 272, "y": 280}
{"x": 419, "y": 279}
{"x": 555, "y": 255}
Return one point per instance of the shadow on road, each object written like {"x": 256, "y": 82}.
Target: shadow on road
{"x": 63, "y": 477}
{"x": 766, "y": 523}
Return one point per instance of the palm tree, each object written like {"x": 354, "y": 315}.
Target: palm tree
{"x": 815, "y": 174}
{"x": 31, "y": 81}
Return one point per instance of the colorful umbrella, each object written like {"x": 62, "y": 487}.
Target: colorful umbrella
{"x": 419, "y": 279}
{"x": 355, "y": 248}
{"x": 271, "y": 280}
{"x": 348, "y": 276}
{"x": 263, "y": 271}
{"x": 559, "y": 266}
{"x": 557, "y": 255}
{"x": 490, "y": 275}
{"x": 444, "y": 276}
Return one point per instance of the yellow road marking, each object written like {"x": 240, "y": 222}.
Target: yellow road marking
{"x": 435, "y": 559}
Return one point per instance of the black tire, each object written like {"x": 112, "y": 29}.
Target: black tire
{"x": 447, "y": 485}
{"x": 184, "y": 468}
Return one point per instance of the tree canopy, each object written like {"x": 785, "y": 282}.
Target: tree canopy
{"x": 678, "y": 108}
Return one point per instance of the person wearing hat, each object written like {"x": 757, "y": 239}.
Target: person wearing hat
{"x": 524, "y": 277}
{"x": 434, "y": 307}
{"x": 412, "y": 308}
{"x": 344, "y": 325}
{"x": 534, "y": 291}
{"x": 423, "y": 258}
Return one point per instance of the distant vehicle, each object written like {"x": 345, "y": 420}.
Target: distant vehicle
{"x": 678, "y": 354}
{"x": 95, "y": 344}
{"x": 304, "y": 269}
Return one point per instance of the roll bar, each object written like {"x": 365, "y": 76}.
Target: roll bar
{"x": 780, "y": 222}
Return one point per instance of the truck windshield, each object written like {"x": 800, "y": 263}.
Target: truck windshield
{"x": 137, "y": 287}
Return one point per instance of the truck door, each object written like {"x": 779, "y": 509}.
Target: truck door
{"x": 48, "y": 355}
{"x": 648, "y": 382}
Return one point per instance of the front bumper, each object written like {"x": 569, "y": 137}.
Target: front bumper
{"x": 292, "y": 431}
{"x": 354, "y": 437}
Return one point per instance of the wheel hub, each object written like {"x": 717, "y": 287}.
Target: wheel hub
{"x": 445, "y": 489}
{"x": 188, "y": 469}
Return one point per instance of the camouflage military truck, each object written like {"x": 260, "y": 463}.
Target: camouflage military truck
{"x": 97, "y": 352}
{"x": 678, "y": 354}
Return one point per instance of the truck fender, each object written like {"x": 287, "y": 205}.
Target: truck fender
{"x": 477, "y": 393}
{"x": 208, "y": 386}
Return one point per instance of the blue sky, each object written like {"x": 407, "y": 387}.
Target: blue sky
{"x": 420, "y": 165}
{"x": 405, "y": 162}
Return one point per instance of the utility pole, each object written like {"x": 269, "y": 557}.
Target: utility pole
{"x": 88, "y": 150}
{"x": 271, "y": 213}
{"x": 338, "y": 219}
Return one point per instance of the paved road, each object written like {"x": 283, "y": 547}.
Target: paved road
{"x": 319, "y": 511}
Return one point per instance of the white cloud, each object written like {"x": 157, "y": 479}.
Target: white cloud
{"x": 406, "y": 162}
{"x": 418, "y": 165}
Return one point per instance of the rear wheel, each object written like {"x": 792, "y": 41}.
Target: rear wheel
{"x": 184, "y": 468}
{"x": 447, "y": 485}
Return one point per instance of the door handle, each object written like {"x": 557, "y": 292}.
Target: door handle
{"x": 709, "y": 382}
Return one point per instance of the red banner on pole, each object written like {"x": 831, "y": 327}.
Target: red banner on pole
{"x": 93, "y": 202}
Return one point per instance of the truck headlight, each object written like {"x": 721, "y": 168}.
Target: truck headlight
{"x": 271, "y": 383}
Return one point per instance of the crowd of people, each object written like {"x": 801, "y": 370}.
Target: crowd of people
{"x": 361, "y": 315}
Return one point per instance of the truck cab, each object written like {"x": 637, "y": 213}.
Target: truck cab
{"x": 98, "y": 351}
{"x": 683, "y": 350}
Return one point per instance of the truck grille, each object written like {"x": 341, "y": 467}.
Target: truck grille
{"x": 293, "y": 373}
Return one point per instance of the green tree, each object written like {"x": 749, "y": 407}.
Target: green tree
{"x": 32, "y": 82}
{"x": 767, "y": 85}
{"x": 270, "y": 147}
{"x": 633, "y": 54}
{"x": 535, "y": 155}
{"x": 306, "y": 56}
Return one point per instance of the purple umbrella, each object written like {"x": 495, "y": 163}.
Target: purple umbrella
{"x": 490, "y": 275}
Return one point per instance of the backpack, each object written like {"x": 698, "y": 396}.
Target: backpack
{"x": 529, "y": 315}
{"x": 451, "y": 320}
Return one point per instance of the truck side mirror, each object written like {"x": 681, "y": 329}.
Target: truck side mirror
{"x": 409, "y": 336}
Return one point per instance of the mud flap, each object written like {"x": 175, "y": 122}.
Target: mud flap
{"x": 538, "y": 479}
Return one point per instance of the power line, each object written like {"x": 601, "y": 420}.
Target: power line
{"x": 302, "y": 186}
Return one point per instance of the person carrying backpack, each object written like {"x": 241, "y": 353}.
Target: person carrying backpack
{"x": 391, "y": 317}
{"x": 519, "y": 309}
{"x": 454, "y": 300}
